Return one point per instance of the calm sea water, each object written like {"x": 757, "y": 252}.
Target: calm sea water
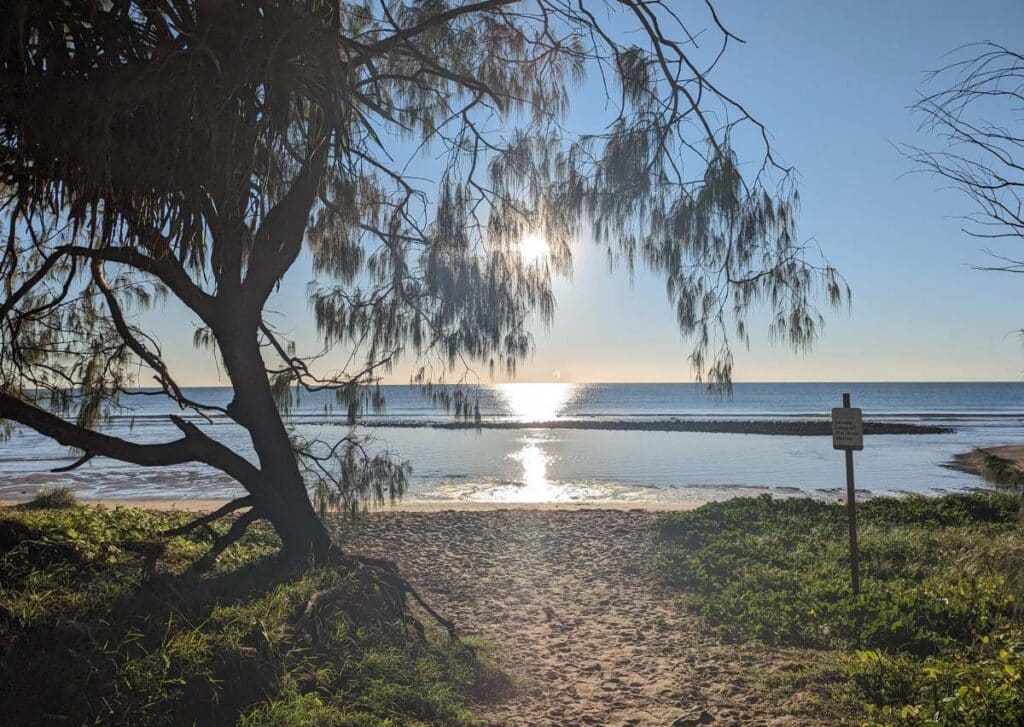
{"x": 539, "y": 464}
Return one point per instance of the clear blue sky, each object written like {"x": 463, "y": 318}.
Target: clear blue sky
{"x": 832, "y": 81}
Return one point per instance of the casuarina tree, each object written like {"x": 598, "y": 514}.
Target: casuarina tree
{"x": 195, "y": 151}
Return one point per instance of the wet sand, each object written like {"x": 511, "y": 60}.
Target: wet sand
{"x": 572, "y": 602}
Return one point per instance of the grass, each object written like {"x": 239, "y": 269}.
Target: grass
{"x": 102, "y": 622}
{"x": 1001, "y": 472}
{"x": 56, "y": 498}
{"x": 934, "y": 638}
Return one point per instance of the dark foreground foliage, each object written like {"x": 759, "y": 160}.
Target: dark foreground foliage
{"x": 103, "y": 622}
{"x": 934, "y": 638}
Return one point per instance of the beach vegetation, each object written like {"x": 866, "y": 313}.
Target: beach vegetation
{"x": 53, "y": 498}
{"x": 936, "y": 634}
{"x": 1004, "y": 473}
{"x": 104, "y": 621}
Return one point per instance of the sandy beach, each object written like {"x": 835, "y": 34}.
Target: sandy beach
{"x": 571, "y": 600}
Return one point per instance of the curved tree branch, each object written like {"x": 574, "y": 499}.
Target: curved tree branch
{"x": 152, "y": 359}
{"x": 76, "y": 464}
{"x": 166, "y": 269}
{"x": 280, "y": 236}
{"x": 220, "y": 512}
{"x": 194, "y": 446}
{"x": 234, "y": 533}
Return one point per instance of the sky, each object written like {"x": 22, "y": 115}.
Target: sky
{"x": 832, "y": 81}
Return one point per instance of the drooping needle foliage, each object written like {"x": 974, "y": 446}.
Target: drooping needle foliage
{"x": 194, "y": 149}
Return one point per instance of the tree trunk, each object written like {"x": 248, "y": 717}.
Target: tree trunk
{"x": 281, "y": 495}
{"x": 302, "y": 533}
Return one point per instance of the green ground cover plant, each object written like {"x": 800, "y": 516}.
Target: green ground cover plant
{"x": 935, "y": 636}
{"x": 101, "y": 621}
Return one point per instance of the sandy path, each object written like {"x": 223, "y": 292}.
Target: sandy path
{"x": 568, "y": 598}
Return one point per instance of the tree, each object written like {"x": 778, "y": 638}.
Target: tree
{"x": 975, "y": 111}
{"x": 192, "y": 149}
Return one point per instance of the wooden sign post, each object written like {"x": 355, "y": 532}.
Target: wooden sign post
{"x": 848, "y": 435}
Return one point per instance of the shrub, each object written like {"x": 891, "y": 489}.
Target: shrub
{"x": 936, "y": 594}
{"x": 56, "y": 498}
{"x": 1001, "y": 472}
{"x": 980, "y": 686}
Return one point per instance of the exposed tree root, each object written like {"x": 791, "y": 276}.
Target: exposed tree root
{"x": 378, "y": 593}
{"x": 387, "y": 571}
{"x": 381, "y": 592}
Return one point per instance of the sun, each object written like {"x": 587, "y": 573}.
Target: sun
{"x": 537, "y": 402}
{"x": 533, "y": 247}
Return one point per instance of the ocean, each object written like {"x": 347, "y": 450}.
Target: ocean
{"x": 530, "y": 464}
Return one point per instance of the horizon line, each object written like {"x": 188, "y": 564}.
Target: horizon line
{"x": 660, "y": 383}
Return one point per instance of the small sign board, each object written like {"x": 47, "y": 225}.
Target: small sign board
{"x": 847, "y": 428}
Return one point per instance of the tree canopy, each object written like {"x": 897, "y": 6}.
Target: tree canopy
{"x": 194, "y": 148}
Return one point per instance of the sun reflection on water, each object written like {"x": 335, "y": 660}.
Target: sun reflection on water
{"x": 537, "y": 402}
{"x": 535, "y": 484}
{"x": 540, "y": 402}
{"x": 534, "y": 460}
